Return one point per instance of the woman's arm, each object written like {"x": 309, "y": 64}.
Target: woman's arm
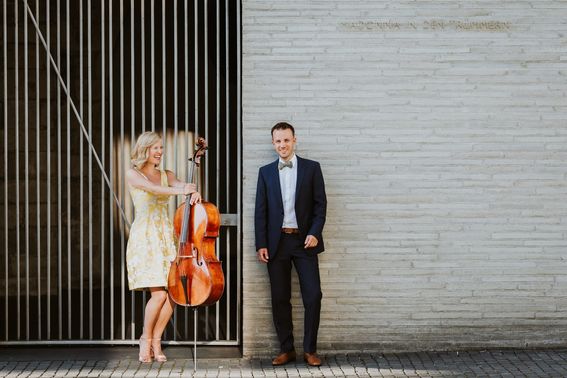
{"x": 176, "y": 183}
{"x": 173, "y": 181}
{"x": 136, "y": 180}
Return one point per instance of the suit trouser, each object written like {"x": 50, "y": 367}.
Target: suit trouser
{"x": 291, "y": 249}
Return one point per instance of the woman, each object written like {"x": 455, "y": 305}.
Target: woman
{"x": 151, "y": 245}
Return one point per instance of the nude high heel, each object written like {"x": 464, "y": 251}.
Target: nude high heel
{"x": 145, "y": 350}
{"x": 157, "y": 352}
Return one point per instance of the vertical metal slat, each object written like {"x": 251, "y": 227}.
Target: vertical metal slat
{"x": 196, "y": 59}
{"x": 217, "y": 122}
{"x": 153, "y": 66}
{"x": 175, "y": 85}
{"x": 164, "y": 79}
{"x": 68, "y": 111}
{"x": 133, "y": 132}
{"x": 206, "y": 88}
{"x": 111, "y": 163}
{"x": 103, "y": 154}
{"x": 175, "y": 96}
{"x": 26, "y": 174}
{"x": 38, "y": 178}
{"x": 227, "y": 154}
{"x": 186, "y": 75}
{"x": 48, "y": 170}
{"x": 196, "y": 36}
{"x": 5, "y": 43}
{"x": 81, "y": 174}
{"x": 142, "y": 62}
{"x": 17, "y": 145}
{"x": 120, "y": 180}
{"x": 90, "y": 213}
{"x": 239, "y": 168}
{"x": 59, "y": 246}
{"x": 206, "y": 111}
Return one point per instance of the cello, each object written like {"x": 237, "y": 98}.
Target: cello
{"x": 195, "y": 276}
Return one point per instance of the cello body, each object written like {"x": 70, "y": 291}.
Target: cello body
{"x": 195, "y": 277}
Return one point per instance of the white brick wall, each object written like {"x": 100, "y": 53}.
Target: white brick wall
{"x": 441, "y": 129}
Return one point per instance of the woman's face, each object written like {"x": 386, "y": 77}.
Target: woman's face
{"x": 155, "y": 154}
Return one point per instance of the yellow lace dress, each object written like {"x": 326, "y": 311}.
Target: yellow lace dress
{"x": 151, "y": 244}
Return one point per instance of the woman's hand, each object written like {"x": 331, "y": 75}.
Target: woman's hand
{"x": 192, "y": 190}
{"x": 195, "y": 198}
{"x": 189, "y": 188}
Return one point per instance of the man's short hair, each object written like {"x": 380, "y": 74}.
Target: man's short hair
{"x": 283, "y": 126}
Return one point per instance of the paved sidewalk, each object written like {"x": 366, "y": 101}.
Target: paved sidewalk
{"x": 121, "y": 362}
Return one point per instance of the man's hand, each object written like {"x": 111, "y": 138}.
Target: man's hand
{"x": 263, "y": 255}
{"x": 311, "y": 241}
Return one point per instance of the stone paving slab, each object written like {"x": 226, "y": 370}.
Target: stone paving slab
{"x": 494, "y": 363}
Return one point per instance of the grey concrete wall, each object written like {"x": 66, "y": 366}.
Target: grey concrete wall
{"x": 440, "y": 127}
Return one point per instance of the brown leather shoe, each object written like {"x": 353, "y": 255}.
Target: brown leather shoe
{"x": 312, "y": 359}
{"x": 284, "y": 358}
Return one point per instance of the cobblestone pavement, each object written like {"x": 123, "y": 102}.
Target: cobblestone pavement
{"x": 505, "y": 363}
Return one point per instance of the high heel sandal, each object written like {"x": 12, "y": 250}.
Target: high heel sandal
{"x": 157, "y": 353}
{"x": 144, "y": 355}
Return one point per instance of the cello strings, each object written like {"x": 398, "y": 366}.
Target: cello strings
{"x": 77, "y": 115}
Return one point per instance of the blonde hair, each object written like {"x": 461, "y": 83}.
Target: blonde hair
{"x": 140, "y": 154}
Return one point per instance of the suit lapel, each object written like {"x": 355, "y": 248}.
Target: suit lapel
{"x": 276, "y": 177}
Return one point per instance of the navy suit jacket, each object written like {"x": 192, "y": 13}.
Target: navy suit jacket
{"x": 310, "y": 205}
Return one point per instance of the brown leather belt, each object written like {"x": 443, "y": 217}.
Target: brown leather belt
{"x": 286, "y": 230}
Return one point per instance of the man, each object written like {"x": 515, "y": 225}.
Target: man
{"x": 291, "y": 207}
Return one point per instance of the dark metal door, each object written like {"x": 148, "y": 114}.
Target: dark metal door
{"x": 80, "y": 80}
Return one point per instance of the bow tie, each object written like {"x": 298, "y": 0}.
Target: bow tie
{"x": 288, "y": 164}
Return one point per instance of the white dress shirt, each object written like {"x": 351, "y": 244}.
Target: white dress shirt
{"x": 288, "y": 181}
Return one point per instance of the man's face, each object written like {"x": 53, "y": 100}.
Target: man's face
{"x": 284, "y": 143}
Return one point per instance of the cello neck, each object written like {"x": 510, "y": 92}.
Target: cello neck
{"x": 185, "y": 223}
{"x": 201, "y": 147}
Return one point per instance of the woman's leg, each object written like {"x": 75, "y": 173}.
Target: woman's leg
{"x": 164, "y": 316}
{"x": 153, "y": 309}
{"x": 151, "y": 315}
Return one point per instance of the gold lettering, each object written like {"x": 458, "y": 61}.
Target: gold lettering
{"x": 433, "y": 24}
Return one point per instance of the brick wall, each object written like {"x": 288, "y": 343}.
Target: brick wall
{"x": 441, "y": 130}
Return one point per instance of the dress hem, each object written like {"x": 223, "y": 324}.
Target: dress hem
{"x": 146, "y": 287}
